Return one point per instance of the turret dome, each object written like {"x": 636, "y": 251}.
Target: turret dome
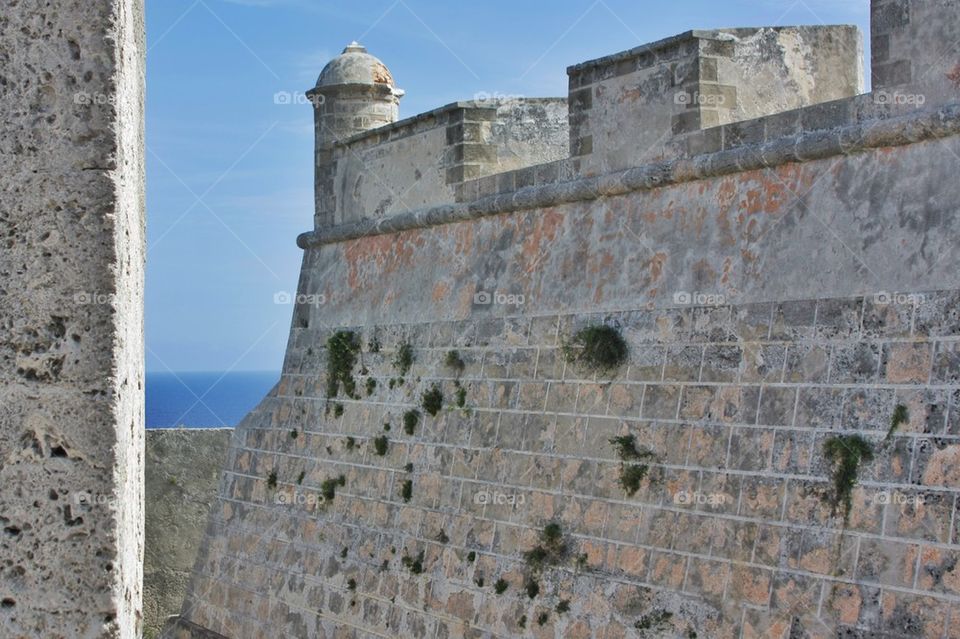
{"x": 355, "y": 66}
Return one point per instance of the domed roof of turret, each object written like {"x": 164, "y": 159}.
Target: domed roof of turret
{"x": 355, "y": 66}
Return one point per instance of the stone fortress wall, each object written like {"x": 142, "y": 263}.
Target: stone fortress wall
{"x": 783, "y": 283}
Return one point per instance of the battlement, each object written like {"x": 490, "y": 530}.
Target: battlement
{"x": 419, "y": 161}
{"x": 628, "y": 108}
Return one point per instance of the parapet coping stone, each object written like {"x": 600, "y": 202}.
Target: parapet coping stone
{"x": 657, "y": 45}
{"x": 489, "y": 105}
{"x": 721, "y": 34}
{"x": 810, "y": 145}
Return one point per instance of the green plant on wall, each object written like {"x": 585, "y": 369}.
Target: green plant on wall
{"x": 632, "y": 469}
{"x": 410, "y": 420}
{"x": 501, "y": 586}
{"x": 403, "y": 359}
{"x": 432, "y": 400}
{"x": 342, "y": 350}
{"x": 413, "y": 564}
{"x": 845, "y": 453}
{"x": 406, "y": 489}
{"x": 454, "y": 362}
{"x": 900, "y": 417}
{"x": 631, "y": 476}
{"x": 599, "y": 348}
{"x": 551, "y": 550}
{"x": 371, "y": 386}
{"x": 461, "y": 395}
{"x": 532, "y": 587}
{"x": 272, "y": 479}
{"x": 380, "y": 445}
{"x": 328, "y": 488}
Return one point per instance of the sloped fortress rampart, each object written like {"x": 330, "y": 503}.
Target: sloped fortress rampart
{"x": 777, "y": 250}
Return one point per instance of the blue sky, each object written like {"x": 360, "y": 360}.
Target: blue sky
{"x": 229, "y": 171}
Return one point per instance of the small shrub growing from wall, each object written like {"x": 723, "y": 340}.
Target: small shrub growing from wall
{"x": 272, "y": 479}
{"x": 900, "y": 416}
{"x": 403, "y": 359}
{"x": 551, "y": 550}
{"x": 410, "y": 420}
{"x": 532, "y": 587}
{"x": 328, "y": 488}
{"x": 380, "y": 445}
{"x": 845, "y": 453}
{"x": 342, "y": 350}
{"x": 599, "y": 348}
{"x": 454, "y": 362}
{"x": 632, "y": 473}
{"x": 501, "y": 586}
{"x": 432, "y": 400}
{"x": 413, "y": 564}
{"x": 406, "y": 489}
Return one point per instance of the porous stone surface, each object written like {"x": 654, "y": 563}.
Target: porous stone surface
{"x": 71, "y": 318}
{"x": 182, "y": 473}
{"x": 778, "y": 281}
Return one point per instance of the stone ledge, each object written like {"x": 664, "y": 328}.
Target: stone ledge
{"x": 813, "y": 145}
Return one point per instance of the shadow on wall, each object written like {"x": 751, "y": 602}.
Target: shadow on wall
{"x": 181, "y": 476}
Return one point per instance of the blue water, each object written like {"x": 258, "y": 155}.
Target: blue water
{"x": 204, "y": 400}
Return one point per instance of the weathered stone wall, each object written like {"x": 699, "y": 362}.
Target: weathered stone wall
{"x": 734, "y": 393}
{"x": 71, "y": 318}
{"x": 780, "y": 282}
{"x": 181, "y": 474}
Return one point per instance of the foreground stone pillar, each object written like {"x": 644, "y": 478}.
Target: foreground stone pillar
{"x": 71, "y": 318}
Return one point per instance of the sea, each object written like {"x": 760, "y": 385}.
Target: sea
{"x": 204, "y": 400}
